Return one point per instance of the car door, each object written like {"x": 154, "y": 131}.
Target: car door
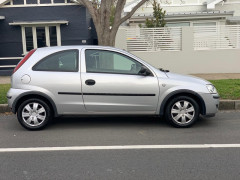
{"x": 111, "y": 84}
{"x": 58, "y": 76}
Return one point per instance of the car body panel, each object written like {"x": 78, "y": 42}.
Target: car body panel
{"x": 119, "y": 93}
{"x": 114, "y": 93}
{"x": 51, "y": 83}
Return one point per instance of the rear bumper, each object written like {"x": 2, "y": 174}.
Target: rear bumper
{"x": 12, "y": 96}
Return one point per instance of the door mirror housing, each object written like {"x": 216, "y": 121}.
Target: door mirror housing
{"x": 144, "y": 71}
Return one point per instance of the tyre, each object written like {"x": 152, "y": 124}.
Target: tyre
{"x": 182, "y": 111}
{"x": 34, "y": 114}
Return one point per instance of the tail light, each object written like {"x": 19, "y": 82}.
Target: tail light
{"x": 24, "y": 60}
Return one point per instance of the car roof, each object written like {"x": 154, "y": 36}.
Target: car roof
{"x": 75, "y": 47}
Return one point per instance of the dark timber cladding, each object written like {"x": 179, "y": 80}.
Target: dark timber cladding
{"x": 76, "y": 32}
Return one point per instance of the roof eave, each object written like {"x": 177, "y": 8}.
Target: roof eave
{"x": 189, "y": 16}
{"x": 37, "y": 22}
{"x": 2, "y": 2}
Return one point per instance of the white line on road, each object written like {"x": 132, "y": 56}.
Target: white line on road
{"x": 121, "y": 147}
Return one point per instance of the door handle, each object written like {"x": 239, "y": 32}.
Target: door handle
{"x": 90, "y": 82}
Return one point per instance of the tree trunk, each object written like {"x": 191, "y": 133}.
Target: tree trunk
{"x": 107, "y": 37}
{"x": 101, "y": 18}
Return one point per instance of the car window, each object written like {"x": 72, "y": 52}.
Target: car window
{"x": 103, "y": 61}
{"x": 60, "y": 61}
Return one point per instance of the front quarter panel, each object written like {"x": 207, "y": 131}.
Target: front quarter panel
{"x": 170, "y": 87}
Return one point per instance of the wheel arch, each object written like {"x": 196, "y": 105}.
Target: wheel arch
{"x": 34, "y": 94}
{"x": 183, "y": 92}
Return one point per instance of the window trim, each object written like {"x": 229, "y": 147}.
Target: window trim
{"x": 113, "y": 72}
{"x": 52, "y": 70}
{"x": 34, "y": 34}
{"x": 52, "y": 3}
{"x": 120, "y": 73}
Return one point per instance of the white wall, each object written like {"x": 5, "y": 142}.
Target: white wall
{"x": 188, "y": 61}
{"x": 218, "y": 61}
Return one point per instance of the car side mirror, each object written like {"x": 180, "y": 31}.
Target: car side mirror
{"x": 144, "y": 71}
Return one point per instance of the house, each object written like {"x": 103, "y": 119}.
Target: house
{"x": 30, "y": 24}
{"x": 189, "y": 12}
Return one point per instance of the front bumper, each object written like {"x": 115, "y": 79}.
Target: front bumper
{"x": 211, "y": 104}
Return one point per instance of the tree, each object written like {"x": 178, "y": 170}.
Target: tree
{"x": 107, "y": 17}
{"x": 158, "y": 19}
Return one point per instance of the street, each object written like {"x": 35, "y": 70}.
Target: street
{"x": 159, "y": 163}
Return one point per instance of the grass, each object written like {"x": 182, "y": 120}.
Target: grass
{"x": 3, "y": 93}
{"x": 227, "y": 88}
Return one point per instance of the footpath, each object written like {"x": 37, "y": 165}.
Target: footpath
{"x": 218, "y": 76}
{"x": 224, "y": 104}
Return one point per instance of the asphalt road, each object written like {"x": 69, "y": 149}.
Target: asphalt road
{"x": 189, "y": 163}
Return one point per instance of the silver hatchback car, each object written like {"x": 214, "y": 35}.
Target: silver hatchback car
{"x": 94, "y": 80}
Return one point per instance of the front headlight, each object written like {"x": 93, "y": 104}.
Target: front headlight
{"x": 211, "y": 89}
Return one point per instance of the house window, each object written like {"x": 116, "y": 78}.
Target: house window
{"x": 45, "y": 1}
{"x": 31, "y": 1}
{"x": 179, "y": 24}
{"x": 59, "y": 1}
{"x": 40, "y": 36}
{"x": 204, "y": 24}
{"x": 18, "y": 2}
{"x": 26, "y": 3}
{"x": 53, "y": 35}
{"x": 29, "y": 38}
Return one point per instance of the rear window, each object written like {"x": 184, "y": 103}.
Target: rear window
{"x": 66, "y": 61}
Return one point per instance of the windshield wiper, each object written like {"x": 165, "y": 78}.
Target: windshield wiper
{"x": 163, "y": 70}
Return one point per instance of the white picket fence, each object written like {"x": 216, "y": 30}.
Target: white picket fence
{"x": 216, "y": 37}
{"x": 170, "y": 38}
{"x": 154, "y": 39}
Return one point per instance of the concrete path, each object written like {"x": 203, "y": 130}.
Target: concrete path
{"x": 7, "y": 80}
{"x": 217, "y": 76}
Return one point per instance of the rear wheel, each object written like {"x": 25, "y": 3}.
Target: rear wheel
{"x": 34, "y": 114}
{"x": 182, "y": 111}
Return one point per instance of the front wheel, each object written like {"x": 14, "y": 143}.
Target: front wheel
{"x": 182, "y": 111}
{"x": 34, "y": 114}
